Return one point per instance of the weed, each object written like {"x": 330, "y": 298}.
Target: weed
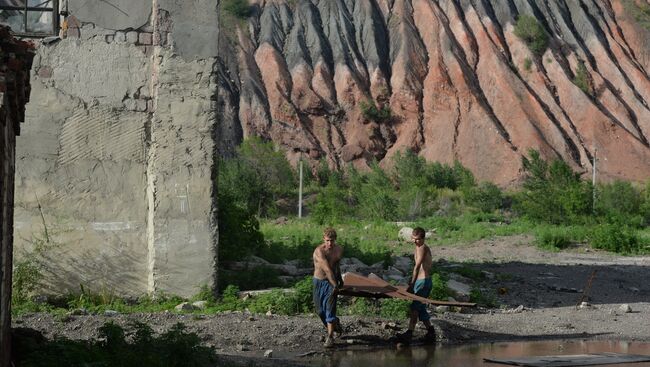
{"x": 583, "y": 80}
{"x": 371, "y": 112}
{"x": 482, "y": 297}
{"x": 394, "y": 308}
{"x": 532, "y": 33}
{"x": 528, "y": 63}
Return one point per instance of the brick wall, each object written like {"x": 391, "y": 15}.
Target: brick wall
{"x": 15, "y": 62}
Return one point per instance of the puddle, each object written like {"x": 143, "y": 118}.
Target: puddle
{"x": 472, "y": 355}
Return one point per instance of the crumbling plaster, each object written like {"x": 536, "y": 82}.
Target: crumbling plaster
{"x": 118, "y": 157}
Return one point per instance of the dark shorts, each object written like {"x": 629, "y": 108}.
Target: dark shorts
{"x": 324, "y": 301}
{"x": 422, "y": 288}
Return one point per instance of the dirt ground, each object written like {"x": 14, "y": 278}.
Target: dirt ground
{"x": 536, "y": 292}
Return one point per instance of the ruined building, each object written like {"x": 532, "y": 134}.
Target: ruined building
{"x": 15, "y": 62}
{"x": 114, "y": 188}
{"x": 131, "y": 106}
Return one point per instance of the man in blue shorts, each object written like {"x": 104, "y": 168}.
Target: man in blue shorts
{"x": 327, "y": 281}
{"x": 420, "y": 285}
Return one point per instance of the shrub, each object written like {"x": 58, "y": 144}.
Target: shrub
{"x": 371, "y": 112}
{"x": 239, "y": 234}
{"x": 481, "y": 297}
{"x": 487, "y": 197}
{"x": 528, "y": 63}
{"x": 238, "y": 8}
{"x": 583, "y": 80}
{"x": 258, "y": 277}
{"x": 616, "y": 238}
{"x": 553, "y": 193}
{"x": 256, "y": 177}
{"x": 375, "y": 195}
{"x": 553, "y": 238}
{"x": 532, "y": 33}
{"x": 619, "y": 201}
{"x": 394, "y": 308}
{"x": 439, "y": 291}
{"x": 330, "y": 206}
{"x": 175, "y": 347}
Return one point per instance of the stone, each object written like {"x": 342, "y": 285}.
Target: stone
{"x": 268, "y": 353}
{"x": 625, "y": 308}
{"x": 111, "y": 313}
{"x": 403, "y": 264}
{"x": 461, "y": 290}
{"x": 351, "y": 264}
{"x": 185, "y": 306}
{"x": 405, "y": 234}
{"x": 584, "y": 305}
{"x": 442, "y": 309}
{"x": 269, "y": 313}
{"x": 78, "y": 312}
{"x": 200, "y": 305}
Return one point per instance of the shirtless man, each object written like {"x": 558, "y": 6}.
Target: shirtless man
{"x": 327, "y": 281}
{"x": 420, "y": 285}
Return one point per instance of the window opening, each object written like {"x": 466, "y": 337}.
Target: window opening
{"x": 30, "y": 18}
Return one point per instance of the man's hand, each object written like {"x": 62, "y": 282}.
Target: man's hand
{"x": 410, "y": 288}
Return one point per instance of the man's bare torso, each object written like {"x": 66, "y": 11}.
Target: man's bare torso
{"x": 427, "y": 261}
{"x": 326, "y": 258}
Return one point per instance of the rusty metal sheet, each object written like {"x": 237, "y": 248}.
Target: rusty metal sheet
{"x": 373, "y": 286}
{"x": 572, "y": 360}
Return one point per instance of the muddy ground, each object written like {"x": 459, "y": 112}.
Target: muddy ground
{"x": 536, "y": 295}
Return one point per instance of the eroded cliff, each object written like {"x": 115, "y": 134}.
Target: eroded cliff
{"x": 459, "y": 83}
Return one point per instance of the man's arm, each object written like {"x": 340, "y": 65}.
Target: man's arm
{"x": 337, "y": 267}
{"x": 419, "y": 258}
{"x": 322, "y": 262}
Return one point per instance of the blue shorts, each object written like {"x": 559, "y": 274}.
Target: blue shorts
{"x": 422, "y": 288}
{"x": 324, "y": 301}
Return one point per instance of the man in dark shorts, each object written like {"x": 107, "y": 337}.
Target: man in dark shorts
{"x": 421, "y": 285}
{"x": 327, "y": 281}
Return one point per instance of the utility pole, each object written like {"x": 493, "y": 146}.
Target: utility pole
{"x": 593, "y": 182}
{"x": 300, "y": 191}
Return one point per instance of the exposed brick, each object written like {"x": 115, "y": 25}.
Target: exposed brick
{"x": 132, "y": 37}
{"x": 145, "y": 38}
{"x": 150, "y": 105}
{"x": 45, "y": 72}
{"x": 73, "y": 22}
{"x": 73, "y": 33}
{"x": 109, "y": 38}
{"x": 120, "y": 37}
{"x": 141, "y": 105}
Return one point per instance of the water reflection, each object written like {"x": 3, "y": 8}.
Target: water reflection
{"x": 472, "y": 355}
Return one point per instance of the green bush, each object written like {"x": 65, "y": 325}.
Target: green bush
{"x": 481, "y": 297}
{"x": 532, "y": 33}
{"x": 238, "y": 8}
{"x": 330, "y": 206}
{"x": 257, "y": 277}
{"x": 553, "y": 238}
{"x": 487, "y": 197}
{"x": 394, "y": 308}
{"x": 439, "y": 291}
{"x": 553, "y": 193}
{"x": 615, "y": 238}
{"x": 256, "y": 177}
{"x": 173, "y": 348}
{"x": 375, "y": 194}
{"x": 528, "y": 64}
{"x": 371, "y": 112}
{"x": 297, "y": 302}
{"x": 620, "y": 203}
{"x": 582, "y": 79}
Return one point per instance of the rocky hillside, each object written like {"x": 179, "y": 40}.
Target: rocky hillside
{"x": 460, "y": 85}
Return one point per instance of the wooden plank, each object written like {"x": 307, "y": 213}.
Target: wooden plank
{"x": 572, "y": 360}
{"x": 361, "y": 286}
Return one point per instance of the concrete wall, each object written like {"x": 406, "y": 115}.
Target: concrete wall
{"x": 114, "y": 186}
{"x": 15, "y": 59}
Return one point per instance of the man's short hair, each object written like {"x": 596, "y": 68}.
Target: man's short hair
{"x": 329, "y": 232}
{"x": 418, "y": 232}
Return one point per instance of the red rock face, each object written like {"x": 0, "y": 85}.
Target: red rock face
{"x": 460, "y": 84}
